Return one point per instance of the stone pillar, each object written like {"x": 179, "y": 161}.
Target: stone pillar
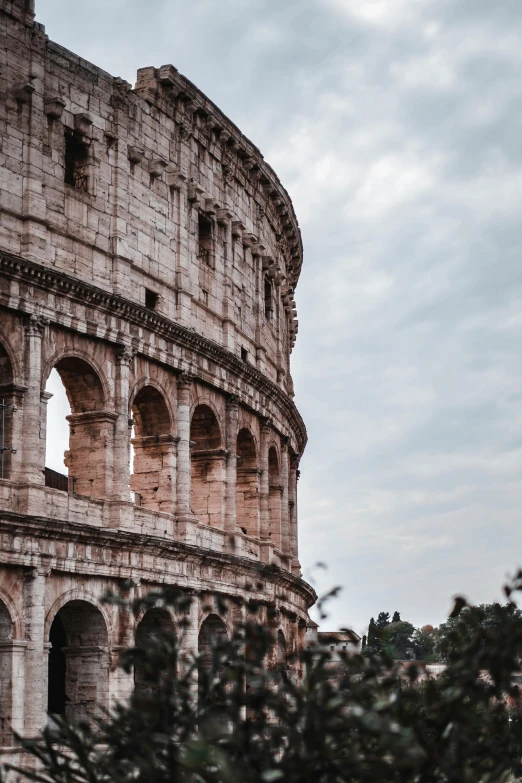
{"x": 154, "y": 477}
{"x": 36, "y": 657}
{"x": 18, "y": 648}
{"x": 12, "y": 653}
{"x": 32, "y": 464}
{"x": 121, "y": 683}
{"x": 294, "y": 476}
{"x": 121, "y": 451}
{"x": 285, "y": 517}
{"x": 231, "y": 469}
{"x": 183, "y": 461}
{"x": 12, "y": 396}
{"x": 190, "y": 641}
{"x": 264, "y": 493}
{"x": 89, "y": 459}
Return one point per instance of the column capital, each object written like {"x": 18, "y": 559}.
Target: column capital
{"x": 232, "y": 402}
{"x": 184, "y": 381}
{"x": 125, "y": 355}
{"x": 294, "y": 461}
{"x": 265, "y": 424}
{"x": 34, "y": 325}
{"x": 285, "y": 442}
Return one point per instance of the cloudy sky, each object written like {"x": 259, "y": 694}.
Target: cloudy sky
{"x": 396, "y": 126}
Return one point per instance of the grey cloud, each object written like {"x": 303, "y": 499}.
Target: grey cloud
{"x": 398, "y": 138}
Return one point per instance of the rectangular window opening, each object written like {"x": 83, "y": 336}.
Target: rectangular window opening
{"x": 76, "y": 160}
{"x": 205, "y": 239}
{"x": 269, "y": 304}
{"x": 151, "y": 299}
{"x": 204, "y": 297}
{"x": 244, "y": 355}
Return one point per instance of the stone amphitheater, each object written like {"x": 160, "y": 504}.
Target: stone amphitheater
{"x": 149, "y": 255}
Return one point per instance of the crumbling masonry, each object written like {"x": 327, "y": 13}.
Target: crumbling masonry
{"x": 150, "y": 255}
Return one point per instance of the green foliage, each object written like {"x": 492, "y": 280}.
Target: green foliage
{"x": 256, "y": 724}
{"x": 397, "y": 640}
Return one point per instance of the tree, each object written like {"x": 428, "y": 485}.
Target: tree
{"x": 424, "y": 640}
{"x": 397, "y": 640}
{"x": 396, "y": 617}
{"x": 383, "y": 620}
{"x": 258, "y": 724}
{"x": 483, "y": 622}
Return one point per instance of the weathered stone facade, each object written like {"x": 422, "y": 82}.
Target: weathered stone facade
{"x": 150, "y": 255}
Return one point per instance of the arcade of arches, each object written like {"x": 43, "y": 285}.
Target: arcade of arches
{"x": 79, "y": 670}
{"x": 194, "y": 461}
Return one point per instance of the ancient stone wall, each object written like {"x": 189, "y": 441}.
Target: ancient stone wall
{"x": 149, "y": 255}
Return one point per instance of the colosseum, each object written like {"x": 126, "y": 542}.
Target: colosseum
{"x": 149, "y": 255}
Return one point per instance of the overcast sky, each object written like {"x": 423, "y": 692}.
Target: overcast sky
{"x": 396, "y": 126}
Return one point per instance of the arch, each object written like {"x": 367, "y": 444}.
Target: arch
{"x": 92, "y": 364}
{"x": 6, "y": 366}
{"x": 6, "y": 675}
{"x": 91, "y": 430}
{"x": 15, "y": 360}
{"x": 205, "y": 432}
{"x": 281, "y": 649}
{"x": 212, "y": 632}
{"x": 160, "y": 388}
{"x": 247, "y": 483}
{"x": 274, "y": 496}
{"x": 77, "y": 594}
{"x": 78, "y": 683}
{"x": 207, "y": 467}
{"x": 7, "y": 398}
{"x": 155, "y": 625}
{"x": 13, "y": 614}
{"x": 153, "y": 476}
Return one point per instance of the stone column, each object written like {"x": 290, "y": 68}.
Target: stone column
{"x": 294, "y": 476}
{"x": 183, "y": 461}
{"x": 121, "y": 683}
{"x": 36, "y": 657}
{"x": 32, "y": 465}
{"x": 285, "y": 517}
{"x": 12, "y": 396}
{"x": 231, "y": 469}
{"x": 121, "y": 451}
{"x": 264, "y": 492}
{"x": 190, "y": 641}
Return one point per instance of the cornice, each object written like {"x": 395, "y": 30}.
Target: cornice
{"x": 88, "y": 294}
{"x": 50, "y": 529}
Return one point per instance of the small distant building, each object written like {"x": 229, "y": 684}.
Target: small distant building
{"x": 335, "y": 642}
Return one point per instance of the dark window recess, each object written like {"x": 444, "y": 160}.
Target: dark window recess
{"x": 204, "y": 296}
{"x": 57, "y": 667}
{"x": 269, "y": 305}
{"x": 244, "y": 354}
{"x": 151, "y": 299}
{"x": 205, "y": 239}
{"x": 76, "y": 159}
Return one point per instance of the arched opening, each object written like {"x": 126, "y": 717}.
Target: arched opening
{"x": 281, "y": 651}
{"x": 78, "y": 662}
{"x": 207, "y": 467}
{"x": 6, "y": 675}
{"x": 78, "y": 399}
{"x": 153, "y": 472}
{"x": 155, "y": 627}
{"x": 274, "y": 500}
{"x": 212, "y": 633}
{"x": 7, "y": 406}
{"x": 247, "y": 484}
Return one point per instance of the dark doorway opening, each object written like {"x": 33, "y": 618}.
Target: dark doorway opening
{"x": 57, "y": 668}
